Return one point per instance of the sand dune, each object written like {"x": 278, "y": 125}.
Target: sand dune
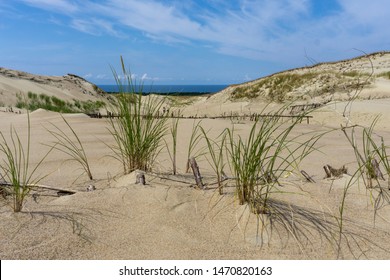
{"x": 68, "y": 87}
{"x": 170, "y": 219}
{"x": 363, "y": 78}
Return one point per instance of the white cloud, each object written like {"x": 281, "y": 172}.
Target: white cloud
{"x": 256, "y": 29}
{"x": 95, "y": 26}
{"x": 151, "y": 17}
{"x": 61, "y": 6}
{"x": 102, "y": 77}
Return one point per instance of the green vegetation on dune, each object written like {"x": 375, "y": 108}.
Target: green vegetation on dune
{"x": 385, "y": 75}
{"x": 34, "y": 101}
{"x": 292, "y": 86}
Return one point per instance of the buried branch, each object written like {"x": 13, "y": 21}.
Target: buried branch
{"x": 39, "y": 186}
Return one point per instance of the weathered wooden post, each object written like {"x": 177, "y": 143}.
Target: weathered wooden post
{"x": 327, "y": 171}
{"x": 140, "y": 178}
{"x": 195, "y": 170}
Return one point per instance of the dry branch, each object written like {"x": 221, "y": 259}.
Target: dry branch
{"x": 307, "y": 176}
{"x": 334, "y": 172}
{"x": 39, "y": 186}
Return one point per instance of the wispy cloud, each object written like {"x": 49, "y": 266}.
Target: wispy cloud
{"x": 102, "y": 77}
{"x": 95, "y": 26}
{"x": 256, "y": 29}
{"x": 61, "y": 6}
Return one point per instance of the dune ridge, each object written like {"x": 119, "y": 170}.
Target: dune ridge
{"x": 68, "y": 87}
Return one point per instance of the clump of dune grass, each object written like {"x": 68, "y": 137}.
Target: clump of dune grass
{"x": 385, "y": 75}
{"x": 72, "y": 146}
{"x": 139, "y": 129}
{"x": 268, "y": 153}
{"x": 16, "y": 165}
{"x": 33, "y": 101}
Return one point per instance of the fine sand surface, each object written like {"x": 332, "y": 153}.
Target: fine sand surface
{"x": 167, "y": 219}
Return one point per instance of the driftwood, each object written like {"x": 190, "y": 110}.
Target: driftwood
{"x": 140, "y": 178}
{"x": 307, "y": 176}
{"x": 327, "y": 171}
{"x": 195, "y": 170}
{"x": 60, "y": 192}
{"x": 334, "y": 172}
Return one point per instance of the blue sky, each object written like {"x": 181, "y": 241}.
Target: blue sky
{"x": 186, "y": 41}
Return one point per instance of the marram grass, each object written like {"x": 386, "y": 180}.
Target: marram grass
{"x": 72, "y": 146}
{"x": 16, "y": 165}
{"x": 139, "y": 129}
{"x": 266, "y": 155}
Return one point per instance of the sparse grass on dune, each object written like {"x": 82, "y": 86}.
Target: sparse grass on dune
{"x": 193, "y": 145}
{"x": 260, "y": 161}
{"x": 34, "y": 101}
{"x": 288, "y": 86}
{"x": 16, "y": 165}
{"x": 385, "y": 75}
{"x": 371, "y": 157}
{"x": 216, "y": 150}
{"x": 72, "y": 147}
{"x": 172, "y": 153}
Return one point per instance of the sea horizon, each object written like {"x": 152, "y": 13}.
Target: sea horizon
{"x": 170, "y": 89}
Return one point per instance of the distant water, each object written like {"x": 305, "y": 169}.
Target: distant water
{"x": 172, "y": 89}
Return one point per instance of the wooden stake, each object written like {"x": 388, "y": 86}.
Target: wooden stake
{"x": 327, "y": 172}
{"x": 195, "y": 170}
{"x": 140, "y": 178}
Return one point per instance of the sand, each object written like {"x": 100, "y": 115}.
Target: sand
{"x": 166, "y": 219}
{"x": 169, "y": 218}
{"x": 68, "y": 87}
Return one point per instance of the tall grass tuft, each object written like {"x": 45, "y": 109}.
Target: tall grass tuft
{"x": 17, "y": 166}
{"x": 370, "y": 158}
{"x": 195, "y": 139}
{"x": 216, "y": 150}
{"x": 139, "y": 129}
{"x": 172, "y": 154}
{"x": 370, "y": 155}
{"x": 72, "y": 147}
{"x": 265, "y": 156}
